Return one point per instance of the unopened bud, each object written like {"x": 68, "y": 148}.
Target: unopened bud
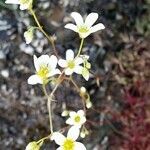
{"x": 82, "y": 135}
{"x": 28, "y": 35}
{"x": 88, "y": 104}
{"x": 88, "y": 65}
{"x": 33, "y": 146}
{"x": 83, "y": 90}
{"x": 65, "y": 113}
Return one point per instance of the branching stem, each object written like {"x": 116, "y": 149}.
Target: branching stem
{"x": 49, "y": 100}
{"x": 50, "y": 39}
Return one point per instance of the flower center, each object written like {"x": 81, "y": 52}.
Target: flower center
{"x": 83, "y": 29}
{"x": 68, "y": 144}
{"x": 77, "y": 119}
{"x": 43, "y": 72}
{"x": 71, "y": 64}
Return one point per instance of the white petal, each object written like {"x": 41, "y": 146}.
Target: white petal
{"x": 84, "y": 57}
{"x": 68, "y": 71}
{"x": 52, "y": 61}
{"x": 58, "y": 138}
{"x": 73, "y": 133}
{"x": 81, "y": 113}
{"x": 78, "y": 18}
{"x": 79, "y": 146}
{"x": 79, "y": 61}
{"x": 12, "y": 2}
{"x": 78, "y": 125}
{"x": 71, "y": 27}
{"x": 69, "y": 55}
{"x": 43, "y": 60}
{"x": 78, "y": 69}
{"x": 34, "y": 79}
{"x": 69, "y": 121}
{"x": 72, "y": 114}
{"x": 91, "y": 19}
{"x": 97, "y": 27}
{"x": 83, "y": 120}
{"x": 62, "y": 63}
{"x": 37, "y": 67}
{"x": 54, "y": 72}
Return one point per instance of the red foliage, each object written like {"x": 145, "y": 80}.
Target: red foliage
{"x": 135, "y": 118}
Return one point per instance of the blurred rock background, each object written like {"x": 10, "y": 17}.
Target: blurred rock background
{"x": 120, "y": 76}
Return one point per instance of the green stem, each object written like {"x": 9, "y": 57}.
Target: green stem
{"x": 49, "y": 101}
{"x": 44, "y": 138}
{"x": 49, "y": 108}
{"x": 50, "y": 39}
{"x": 49, "y": 136}
{"x": 80, "y": 48}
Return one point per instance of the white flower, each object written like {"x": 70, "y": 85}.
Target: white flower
{"x": 45, "y": 67}
{"x": 71, "y": 64}
{"x": 76, "y": 118}
{"x": 24, "y": 4}
{"x": 33, "y": 146}
{"x": 28, "y": 35}
{"x": 84, "y": 28}
{"x": 69, "y": 142}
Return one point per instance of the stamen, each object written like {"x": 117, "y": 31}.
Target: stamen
{"x": 43, "y": 72}
{"x": 68, "y": 144}
{"x": 83, "y": 29}
{"x": 71, "y": 64}
{"x": 77, "y": 119}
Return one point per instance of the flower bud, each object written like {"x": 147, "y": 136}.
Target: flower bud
{"x": 82, "y": 135}
{"x": 82, "y": 90}
{"x": 28, "y": 35}
{"x": 88, "y": 104}
{"x": 84, "y": 132}
{"x": 33, "y": 146}
{"x": 88, "y": 65}
{"x": 65, "y": 113}
{"x": 25, "y": 4}
{"x": 85, "y": 74}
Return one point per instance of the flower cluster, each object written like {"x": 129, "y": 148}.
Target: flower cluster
{"x": 47, "y": 67}
{"x": 76, "y": 119}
